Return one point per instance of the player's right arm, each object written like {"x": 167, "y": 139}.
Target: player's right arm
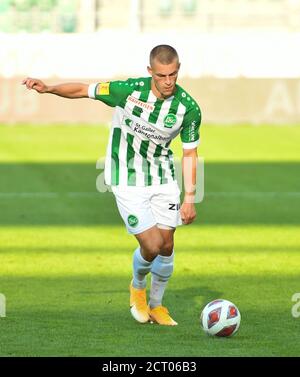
{"x": 67, "y": 90}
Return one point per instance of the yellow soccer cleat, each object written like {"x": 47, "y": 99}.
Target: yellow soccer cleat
{"x": 138, "y": 304}
{"x": 161, "y": 315}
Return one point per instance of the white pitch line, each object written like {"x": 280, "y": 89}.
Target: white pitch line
{"x": 232, "y": 194}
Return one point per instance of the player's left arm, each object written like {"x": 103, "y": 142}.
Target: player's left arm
{"x": 190, "y": 138}
{"x": 189, "y": 172}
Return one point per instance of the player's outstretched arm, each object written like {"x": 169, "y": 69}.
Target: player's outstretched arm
{"x": 68, "y": 90}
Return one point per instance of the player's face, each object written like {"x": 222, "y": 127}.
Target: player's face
{"x": 164, "y": 77}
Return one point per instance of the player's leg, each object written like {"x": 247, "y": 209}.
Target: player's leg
{"x": 155, "y": 254}
{"x": 137, "y": 213}
{"x": 165, "y": 205}
{"x": 161, "y": 272}
{"x": 150, "y": 244}
{"x": 135, "y": 209}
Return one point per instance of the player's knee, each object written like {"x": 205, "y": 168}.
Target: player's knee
{"x": 167, "y": 247}
{"x": 152, "y": 248}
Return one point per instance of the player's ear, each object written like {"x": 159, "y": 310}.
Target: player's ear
{"x": 179, "y": 64}
{"x": 149, "y": 69}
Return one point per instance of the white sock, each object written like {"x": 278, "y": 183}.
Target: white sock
{"x": 161, "y": 271}
{"x": 141, "y": 268}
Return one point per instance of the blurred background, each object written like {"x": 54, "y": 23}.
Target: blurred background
{"x": 240, "y": 58}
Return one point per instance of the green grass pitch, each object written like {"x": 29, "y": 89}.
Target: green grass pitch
{"x": 65, "y": 256}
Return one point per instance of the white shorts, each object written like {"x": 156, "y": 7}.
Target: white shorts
{"x": 143, "y": 207}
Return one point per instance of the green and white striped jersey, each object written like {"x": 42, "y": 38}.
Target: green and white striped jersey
{"x": 143, "y": 127}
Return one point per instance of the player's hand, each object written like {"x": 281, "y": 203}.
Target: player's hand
{"x": 35, "y": 84}
{"x": 188, "y": 213}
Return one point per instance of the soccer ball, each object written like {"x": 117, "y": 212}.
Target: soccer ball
{"x": 220, "y": 318}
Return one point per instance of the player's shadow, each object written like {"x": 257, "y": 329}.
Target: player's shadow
{"x": 66, "y": 194}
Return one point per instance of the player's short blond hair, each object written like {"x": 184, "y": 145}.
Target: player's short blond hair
{"x": 164, "y": 54}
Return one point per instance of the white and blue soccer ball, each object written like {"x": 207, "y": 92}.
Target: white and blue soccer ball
{"x": 220, "y": 318}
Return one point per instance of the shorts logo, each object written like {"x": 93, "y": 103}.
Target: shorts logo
{"x": 132, "y": 220}
{"x": 170, "y": 120}
{"x": 174, "y": 207}
{"x": 103, "y": 89}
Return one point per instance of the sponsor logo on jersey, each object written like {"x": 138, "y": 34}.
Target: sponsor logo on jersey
{"x": 137, "y": 102}
{"x": 132, "y": 220}
{"x": 192, "y": 131}
{"x": 170, "y": 120}
{"x": 103, "y": 88}
{"x": 150, "y": 132}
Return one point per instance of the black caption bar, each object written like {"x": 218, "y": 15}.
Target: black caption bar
{"x": 132, "y": 366}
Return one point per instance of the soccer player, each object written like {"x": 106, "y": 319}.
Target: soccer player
{"x": 149, "y": 113}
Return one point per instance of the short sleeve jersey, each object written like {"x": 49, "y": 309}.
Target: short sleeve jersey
{"x": 143, "y": 127}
